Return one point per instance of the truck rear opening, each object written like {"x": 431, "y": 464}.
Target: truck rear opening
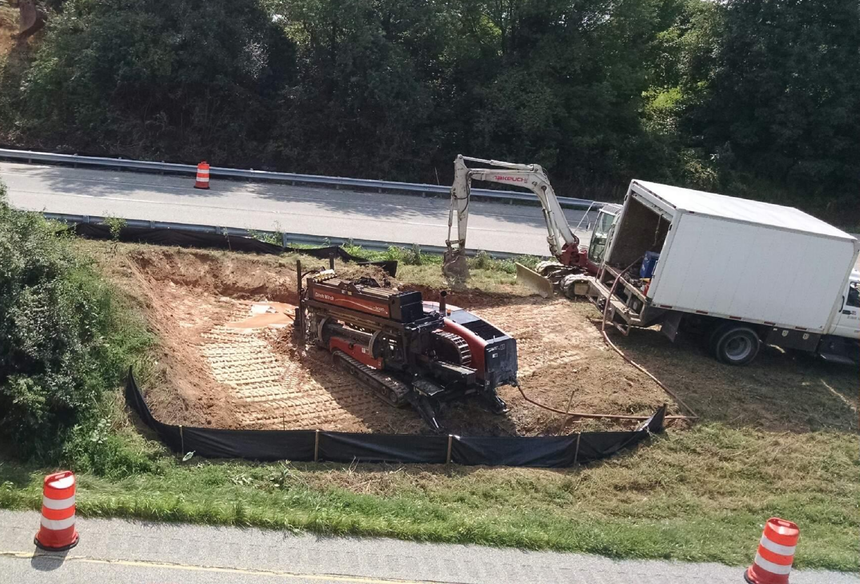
{"x": 641, "y": 230}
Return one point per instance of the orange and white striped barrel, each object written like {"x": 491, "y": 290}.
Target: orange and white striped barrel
{"x": 57, "y": 531}
{"x": 775, "y": 555}
{"x": 202, "y": 176}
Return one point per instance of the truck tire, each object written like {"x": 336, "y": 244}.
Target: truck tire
{"x": 735, "y": 344}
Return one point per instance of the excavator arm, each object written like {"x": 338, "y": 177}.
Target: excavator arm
{"x": 563, "y": 243}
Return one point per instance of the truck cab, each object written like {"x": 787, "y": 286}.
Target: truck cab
{"x": 847, "y": 322}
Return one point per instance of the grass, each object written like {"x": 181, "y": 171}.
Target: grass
{"x": 700, "y": 495}
{"x": 777, "y": 439}
{"x": 416, "y": 267}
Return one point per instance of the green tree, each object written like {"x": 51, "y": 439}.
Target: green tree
{"x": 188, "y": 79}
{"x": 361, "y": 101}
{"x": 568, "y": 91}
{"x": 61, "y": 345}
{"x": 682, "y": 67}
{"x": 784, "y": 102}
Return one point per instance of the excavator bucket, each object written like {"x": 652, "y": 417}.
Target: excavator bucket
{"x": 531, "y": 279}
{"x": 455, "y": 267}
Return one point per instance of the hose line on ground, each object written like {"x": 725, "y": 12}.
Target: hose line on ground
{"x": 589, "y": 415}
{"x": 693, "y": 414}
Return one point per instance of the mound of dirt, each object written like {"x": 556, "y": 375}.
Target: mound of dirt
{"x": 229, "y": 275}
{"x": 228, "y": 360}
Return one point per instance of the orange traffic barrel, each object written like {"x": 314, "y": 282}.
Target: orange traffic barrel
{"x": 202, "y": 176}
{"x": 57, "y": 531}
{"x": 772, "y": 563}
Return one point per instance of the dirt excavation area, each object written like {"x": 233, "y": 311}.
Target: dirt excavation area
{"x": 228, "y": 358}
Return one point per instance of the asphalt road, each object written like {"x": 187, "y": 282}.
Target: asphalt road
{"x": 403, "y": 219}
{"x": 116, "y": 551}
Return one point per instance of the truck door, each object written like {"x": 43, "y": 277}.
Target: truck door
{"x": 848, "y": 321}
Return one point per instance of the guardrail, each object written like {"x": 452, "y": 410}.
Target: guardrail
{"x": 282, "y": 177}
{"x": 286, "y": 238}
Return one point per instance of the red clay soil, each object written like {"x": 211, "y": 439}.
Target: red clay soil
{"x": 228, "y": 364}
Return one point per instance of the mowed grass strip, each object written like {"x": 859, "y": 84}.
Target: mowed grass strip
{"x": 699, "y": 495}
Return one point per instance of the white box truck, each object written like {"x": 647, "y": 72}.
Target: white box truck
{"x": 739, "y": 272}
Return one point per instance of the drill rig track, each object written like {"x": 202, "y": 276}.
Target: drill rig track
{"x": 393, "y": 391}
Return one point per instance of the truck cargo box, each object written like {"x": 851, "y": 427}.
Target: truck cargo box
{"x": 732, "y": 258}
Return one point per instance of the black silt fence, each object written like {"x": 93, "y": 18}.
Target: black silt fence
{"x": 313, "y": 446}
{"x": 180, "y": 238}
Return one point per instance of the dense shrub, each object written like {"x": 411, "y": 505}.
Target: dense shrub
{"x": 63, "y": 343}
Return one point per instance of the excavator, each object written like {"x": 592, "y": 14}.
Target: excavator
{"x": 571, "y": 263}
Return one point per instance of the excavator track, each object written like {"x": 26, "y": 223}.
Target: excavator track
{"x": 390, "y": 390}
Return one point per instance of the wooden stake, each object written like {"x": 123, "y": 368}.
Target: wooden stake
{"x": 317, "y": 446}
{"x": 450, "y": 444}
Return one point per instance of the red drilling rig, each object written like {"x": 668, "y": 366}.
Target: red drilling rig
{"x": 405, "y": 350}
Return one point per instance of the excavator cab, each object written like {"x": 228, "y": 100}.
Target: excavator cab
{"x": 600, "y": 235}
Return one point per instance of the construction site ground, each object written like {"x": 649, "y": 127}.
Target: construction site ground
{"x": 229, "y": 358}
{"x": 221, "y": 366}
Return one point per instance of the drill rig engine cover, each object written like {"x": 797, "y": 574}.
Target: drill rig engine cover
{"x": 407, "y": 351}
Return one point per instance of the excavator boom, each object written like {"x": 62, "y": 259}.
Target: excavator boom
{"x": 563, "y": 243}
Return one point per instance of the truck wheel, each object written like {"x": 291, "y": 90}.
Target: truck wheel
{"x": 735, "y": 344}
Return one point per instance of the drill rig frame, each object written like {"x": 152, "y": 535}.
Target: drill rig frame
{"x": 407, "y": 351}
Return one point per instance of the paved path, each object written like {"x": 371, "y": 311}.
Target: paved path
{"x": 265, "y": 206}
{"x": 116, "y": 551}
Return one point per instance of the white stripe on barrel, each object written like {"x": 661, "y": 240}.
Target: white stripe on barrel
{"x": 771, "y": 567}
{"x": 783, "y": 550}
{"x": 57, "y": 504}
{"x": 58, "y": 524}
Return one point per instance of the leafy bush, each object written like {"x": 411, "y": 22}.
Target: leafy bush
{"x": 482, "y": 260}
{"x": 64, "y": 342}
{"x": 411, "y": 256}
